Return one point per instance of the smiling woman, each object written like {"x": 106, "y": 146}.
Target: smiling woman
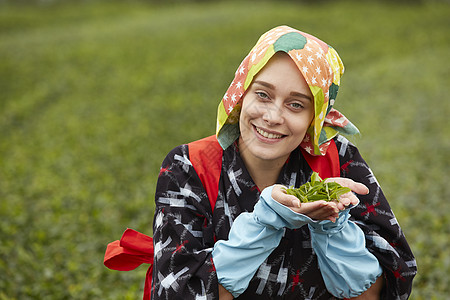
{"x": 224, "y": 226}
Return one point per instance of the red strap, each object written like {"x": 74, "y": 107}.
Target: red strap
{"x": 206, "y": 158}
{"x": 148, "y": 283}
{"x": 327, "y": 165}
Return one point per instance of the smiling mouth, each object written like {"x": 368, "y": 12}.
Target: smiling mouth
{"x": 268, "y": 134}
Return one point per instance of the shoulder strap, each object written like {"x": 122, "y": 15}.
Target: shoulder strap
{"x": 327, "y": 165}
{"x": 135, "y": 248}
{"x": 206, "y": 158}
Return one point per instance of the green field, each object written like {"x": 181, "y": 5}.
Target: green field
{"x": 94, "y": 94}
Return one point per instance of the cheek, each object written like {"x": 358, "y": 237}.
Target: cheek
{"x": 301, "y": 125}
{"x": 249, "y": 109}
{"x": 249, "y": 112}
{"x": 309, "y": 118}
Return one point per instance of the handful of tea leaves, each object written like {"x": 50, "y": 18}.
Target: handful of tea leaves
{"x": 317, "y": 189}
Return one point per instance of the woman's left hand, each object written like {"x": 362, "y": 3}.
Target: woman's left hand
{"x": 349, "y": 198}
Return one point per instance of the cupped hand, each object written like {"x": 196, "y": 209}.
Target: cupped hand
{"x": 321, "y": 209}
{"x": 349, "y": 198}
{"x": 317, "y": 210}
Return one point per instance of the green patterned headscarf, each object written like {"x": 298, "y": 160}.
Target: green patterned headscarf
{"x": 322, "y": 69}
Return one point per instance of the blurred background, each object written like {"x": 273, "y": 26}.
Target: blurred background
{"x": 93, "y": 95}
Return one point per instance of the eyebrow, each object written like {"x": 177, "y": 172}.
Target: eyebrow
{"x": 271, "y": 86}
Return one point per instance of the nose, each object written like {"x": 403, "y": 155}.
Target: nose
{"x": 273, "y": 115}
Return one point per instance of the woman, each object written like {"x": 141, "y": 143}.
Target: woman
{"x": 276, "y": 124}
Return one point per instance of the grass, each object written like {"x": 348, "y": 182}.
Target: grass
{"x": 94, "y": 95}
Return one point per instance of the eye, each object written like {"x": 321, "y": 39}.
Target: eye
{"x": 296, "y": 105}
{"x": 262, "y": 95}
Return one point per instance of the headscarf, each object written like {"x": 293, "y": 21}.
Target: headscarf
{"x": 322, "y": 69}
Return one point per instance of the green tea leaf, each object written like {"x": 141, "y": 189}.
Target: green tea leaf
{"x": 317, "y": 189}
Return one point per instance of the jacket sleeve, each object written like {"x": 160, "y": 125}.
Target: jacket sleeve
{"x": 341, "y": 253}
{"x": 182, "y": 233}
{"x": 383, "y": 235}
{"x": 251, "y": 240}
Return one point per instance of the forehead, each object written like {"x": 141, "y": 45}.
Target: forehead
{"x": 280, "y": 61}
{"x": 282, "y": 72}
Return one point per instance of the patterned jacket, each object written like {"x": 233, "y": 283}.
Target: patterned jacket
{"x": 185, "y": 230}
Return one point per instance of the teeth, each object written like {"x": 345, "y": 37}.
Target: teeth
{"x": 268, "y": 135}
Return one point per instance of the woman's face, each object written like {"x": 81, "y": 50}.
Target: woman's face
{"x": 277, "y": 110}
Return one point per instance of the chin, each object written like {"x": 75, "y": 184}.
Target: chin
{"x": 268, "y": 154}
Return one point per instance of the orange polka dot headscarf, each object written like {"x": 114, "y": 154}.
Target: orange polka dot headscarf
{"x": 322, "y": 69}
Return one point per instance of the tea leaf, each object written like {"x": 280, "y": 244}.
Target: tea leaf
{"x": 317, "y": 189}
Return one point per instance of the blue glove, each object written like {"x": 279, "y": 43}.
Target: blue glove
{"x": 348, "y": 268}
{"x": 340, "y": 248}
